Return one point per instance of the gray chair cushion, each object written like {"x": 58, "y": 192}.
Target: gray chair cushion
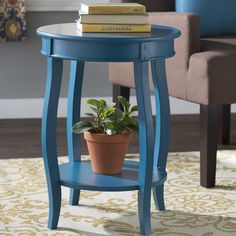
{"x": 211, "y": 77}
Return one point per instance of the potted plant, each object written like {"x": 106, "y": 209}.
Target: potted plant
{"x": 108, "y": 134}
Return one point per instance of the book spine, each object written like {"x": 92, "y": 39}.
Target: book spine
{"x": 97, "y": 28}
{"x": 110, "y": 20}
{"x": 116, "y": 10}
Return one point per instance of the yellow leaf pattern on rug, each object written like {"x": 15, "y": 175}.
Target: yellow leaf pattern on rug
{"x": 191, "y": 209}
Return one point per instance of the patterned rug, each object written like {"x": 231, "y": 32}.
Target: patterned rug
{"x": 191, "y": 209}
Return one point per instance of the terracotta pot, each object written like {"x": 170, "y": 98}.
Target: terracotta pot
{"x": 107, "y": 152}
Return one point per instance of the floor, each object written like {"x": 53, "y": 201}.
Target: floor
{"x": 191, "y": 209}
{"x": 21, "y": 138}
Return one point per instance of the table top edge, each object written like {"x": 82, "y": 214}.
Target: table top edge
{"x": 174, "y": 33}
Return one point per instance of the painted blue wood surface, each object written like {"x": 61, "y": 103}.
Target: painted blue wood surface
{"x": 163, "y": 113}
{"x": 69, "y": 32}
{"x": 79, "y": 175}
{"x": 69, "y": 43}
{"x": 48, "y": 139}
{"x": 73, "y": 116}
{"x": 109, "y": 52}
{"x": 146, "y": 149}
{"x": 63, "y": 41}
{"x": 162, "y": 124}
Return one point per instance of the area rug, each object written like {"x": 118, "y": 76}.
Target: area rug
{"x": 190, "y": 209}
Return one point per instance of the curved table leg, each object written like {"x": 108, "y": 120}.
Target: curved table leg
{"x": 158, "y": 195}
{"x": 162, "y": 125}
{"x": 48, "y": 136}
{"x": 73, "y": 116}
{"x": 146, "y": 139}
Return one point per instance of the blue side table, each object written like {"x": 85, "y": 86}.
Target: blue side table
{"x": 63, "y": 41}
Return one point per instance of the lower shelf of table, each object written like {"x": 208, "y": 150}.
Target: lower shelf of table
{"x": 79, "y": 175}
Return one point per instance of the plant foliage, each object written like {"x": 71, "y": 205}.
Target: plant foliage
{"x": 107, "y": 119}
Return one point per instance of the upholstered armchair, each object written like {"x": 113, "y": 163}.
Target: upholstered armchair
{"x": 203, "y": 71}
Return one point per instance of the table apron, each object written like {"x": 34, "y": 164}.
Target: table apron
{"x": 107, "y": 52}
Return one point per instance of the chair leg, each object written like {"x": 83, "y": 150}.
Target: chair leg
{"x": 119, "y": 90}
{"x": 224, "y": 124}
{"x": 208, "y": 144}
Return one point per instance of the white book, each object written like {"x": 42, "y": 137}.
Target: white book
{"x": 113, "y": 19}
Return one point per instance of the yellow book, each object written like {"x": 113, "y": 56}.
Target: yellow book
{"x": 113, "y": 8}
{"x": 113, "y": 28}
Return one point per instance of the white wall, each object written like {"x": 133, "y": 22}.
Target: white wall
{"x": 32, "y": 108}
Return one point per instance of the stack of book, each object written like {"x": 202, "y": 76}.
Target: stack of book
{"x": 124, "y": 17}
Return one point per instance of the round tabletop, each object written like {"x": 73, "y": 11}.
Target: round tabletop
{"x": 67, "y": 42}
{"x": 70, "y": 32}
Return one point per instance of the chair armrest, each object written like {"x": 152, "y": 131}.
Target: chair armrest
{"x": 189, "y": 24}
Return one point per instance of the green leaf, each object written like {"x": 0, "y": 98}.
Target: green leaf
{"x": 124, "y": 103}
{"x": 113, "y": 104}
{"x": 133, "y": 127}
{"x": 93, "y": 102}
{"x": 134, "y": 109}
{"x": 94, "y": 109}
{"x": 133, "y": 124}
{"x": 102, "y": 103}
{"x": 107, "y": 118}
{"x": 111, "y": 126}
{"x": 89, "y": 114}
{"x": 82, "y": 127}
{"x": 133, "y": 121}
{"x": 109, "y": 111}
